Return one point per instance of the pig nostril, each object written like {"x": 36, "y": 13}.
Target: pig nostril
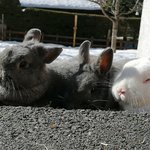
{"x": 121, "y": 91}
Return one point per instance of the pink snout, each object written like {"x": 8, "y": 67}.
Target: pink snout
{"x": 121, "y": 93}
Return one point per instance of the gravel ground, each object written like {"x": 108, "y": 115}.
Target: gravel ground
{"x": 45, "y": 128}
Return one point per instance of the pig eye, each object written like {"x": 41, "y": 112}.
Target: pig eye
{"x": 147, "y": 80}
{"x": 24, "y": 65}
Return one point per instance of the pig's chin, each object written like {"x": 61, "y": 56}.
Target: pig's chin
{"x": 22, "y": 96}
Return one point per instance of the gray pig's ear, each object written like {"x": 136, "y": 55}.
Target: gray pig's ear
{"x": 104, "y": 61}
{"x": 84, "y": 52}
{"x": 51, "y": 54}
{"x": 33, "y": 35}
{"x": 48, "y": 54}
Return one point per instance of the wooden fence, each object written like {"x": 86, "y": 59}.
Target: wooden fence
{"x": 68, "y": 40}
{"x": 59, "y": 39}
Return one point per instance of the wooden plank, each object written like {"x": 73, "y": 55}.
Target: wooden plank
{"x": 75, "y": 30}
{"x": 79, "y": 14}
{"x": 68, "y": 40}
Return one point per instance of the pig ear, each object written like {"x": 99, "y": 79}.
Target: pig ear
{"x": 48, "y": 54}
{"x": 84, "y": 52}
{"x": 33, "y": 35}
{"x": 51, "y": 54}
{"x": 104, "y": 61}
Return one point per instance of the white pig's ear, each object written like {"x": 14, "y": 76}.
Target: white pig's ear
{"x": 84, "y": 52}
{"x": 33, "y": 35}
{"x": 104, "y": 61}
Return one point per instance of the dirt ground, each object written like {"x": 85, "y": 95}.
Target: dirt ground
{"x": 45, "y": 128}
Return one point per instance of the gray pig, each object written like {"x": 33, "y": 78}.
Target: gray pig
{"x": 30, "y": 76}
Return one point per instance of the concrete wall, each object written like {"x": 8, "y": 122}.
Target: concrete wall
{"x": 144, "y": 36}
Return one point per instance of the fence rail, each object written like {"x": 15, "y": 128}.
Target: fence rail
{"x": 68, "y": 40}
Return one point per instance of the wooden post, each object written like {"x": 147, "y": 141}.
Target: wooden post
{"x": 144, "y": 36}
{"x": 75, "y": 30}
{"x": 108, "y": 38}
{"x": 2, "y": 27}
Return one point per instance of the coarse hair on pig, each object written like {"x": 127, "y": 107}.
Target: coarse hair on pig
{"x": 131, "y": 86}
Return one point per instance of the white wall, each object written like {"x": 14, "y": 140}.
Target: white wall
{"x": 144, "y": 35}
